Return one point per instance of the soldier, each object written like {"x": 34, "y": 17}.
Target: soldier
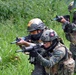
{"x": 57, "y": 60}
{"x": 35, "y": 28}
{"x": 69, "y": 27}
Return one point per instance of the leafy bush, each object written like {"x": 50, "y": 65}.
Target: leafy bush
{"x": 14, "y": 9}
{"x": 14, "y": 16}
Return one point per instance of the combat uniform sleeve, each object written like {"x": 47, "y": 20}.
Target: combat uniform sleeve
{"x": 69, "y": 27}
{"x": 54, "y": 59}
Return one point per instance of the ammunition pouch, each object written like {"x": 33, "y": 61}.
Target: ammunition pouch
{"x": 69, "y": 66}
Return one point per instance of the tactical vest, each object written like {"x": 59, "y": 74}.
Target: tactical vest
{"x": 66, "y": 63}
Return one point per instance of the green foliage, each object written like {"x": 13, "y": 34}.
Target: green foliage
{"x": 12, "y": 63}
{"x": 16, "y": 9}
{"x": 14, "y": 17}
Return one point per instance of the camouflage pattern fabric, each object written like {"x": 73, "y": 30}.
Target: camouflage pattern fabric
{"x": 71, "y": 36}
{"x": 73, "y": 50}
{"x": 54, "y": 65}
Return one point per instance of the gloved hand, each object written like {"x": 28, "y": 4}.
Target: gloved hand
{"x": 35, "y": 51}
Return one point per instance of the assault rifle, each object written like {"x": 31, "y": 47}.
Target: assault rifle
{"x": 70, "y": 17}
{"x": 30, "y": 48}
{"x": 58, "y": 18}
{"x": 27, "y": 38}
{"x": 17, "y": 40}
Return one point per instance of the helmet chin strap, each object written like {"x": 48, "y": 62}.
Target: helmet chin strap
{"x": 53, "y": 45}
{"x": 50, "y": 49}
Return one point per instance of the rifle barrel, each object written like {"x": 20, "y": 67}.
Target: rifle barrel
{"x": 13, "y": 42}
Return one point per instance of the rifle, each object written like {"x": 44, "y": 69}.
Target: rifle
{"x": 70, "y": 17}
{"x": 27, "y": 38}
{"x": 17, "y": 40}
{"x": 58, "y": 18}
{"x": 30, "y": 47}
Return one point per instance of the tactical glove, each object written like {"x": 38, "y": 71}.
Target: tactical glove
{"x": 35, "y": 51}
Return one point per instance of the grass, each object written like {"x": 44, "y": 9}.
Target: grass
{"x": 19, "y": 13}
{"x": 16, "y": 63}
{"x": 12, "y": 63}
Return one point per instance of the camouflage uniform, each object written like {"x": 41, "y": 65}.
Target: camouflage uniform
{"x": 54, "y": 62}
{"x": 58, "y": 60}
{"x": 70, "y": 29}
{"x": 35, "y": 28}
{"x": 70, "y": 33}
{"x": 36, "y": 24}
{"x": 38, "y": 68}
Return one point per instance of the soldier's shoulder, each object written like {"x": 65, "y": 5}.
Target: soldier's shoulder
{"x": 60, "y": 47}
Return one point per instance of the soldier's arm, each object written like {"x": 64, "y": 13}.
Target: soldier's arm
{"x": 57, "y": 56}
{"x": 69, "y": 27}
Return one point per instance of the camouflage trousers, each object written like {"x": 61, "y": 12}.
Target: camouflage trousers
{"x": 38, "y": 70}
{"x": 73, "y": 50}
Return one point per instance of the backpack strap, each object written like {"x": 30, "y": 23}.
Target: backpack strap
{"x": 66, "y": 54}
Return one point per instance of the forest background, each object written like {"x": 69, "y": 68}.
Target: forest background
{"x": 14, "y": 17}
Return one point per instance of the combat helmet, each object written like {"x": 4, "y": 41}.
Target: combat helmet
{"x": 70, "y": 6}
{"x": 72, "y": 10}
{"x": 49, "y": 35}
{"x": 35, "y": 24}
